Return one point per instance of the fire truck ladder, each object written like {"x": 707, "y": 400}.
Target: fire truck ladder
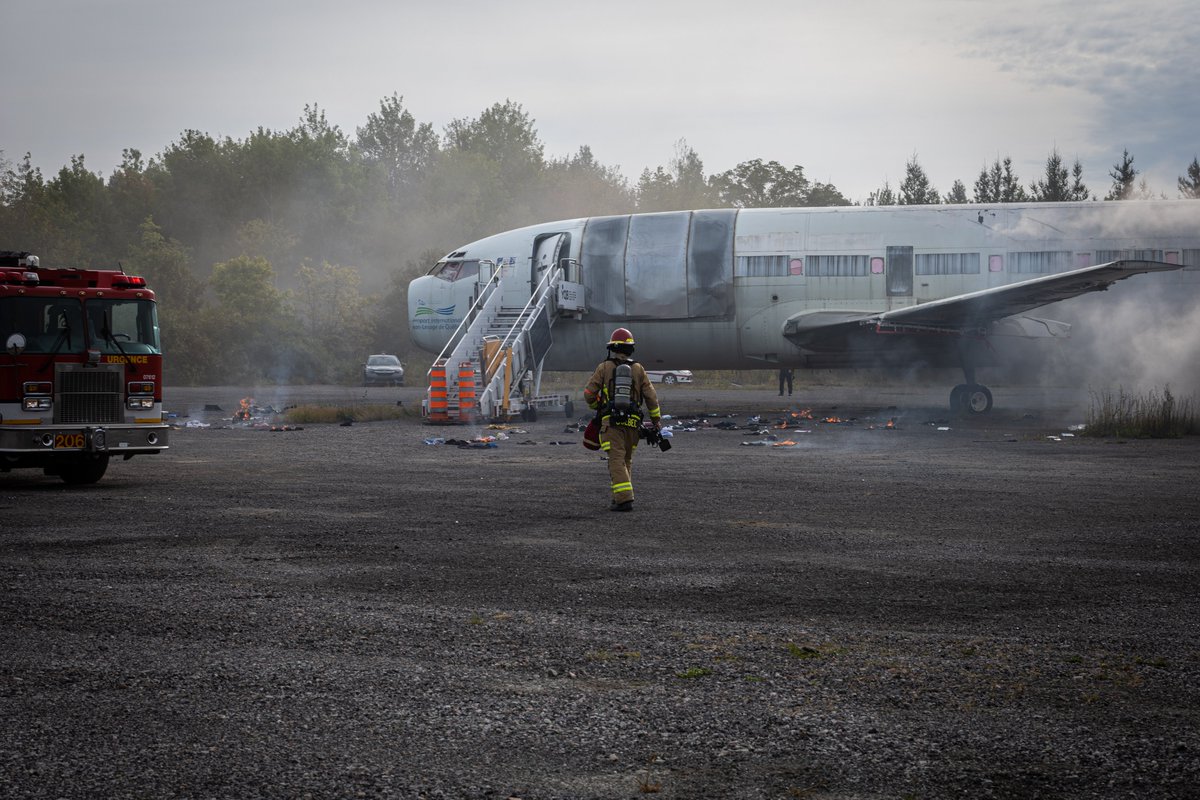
{"x": 492, "y": 366}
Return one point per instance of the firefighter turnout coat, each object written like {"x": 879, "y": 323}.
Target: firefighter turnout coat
{"x": 619, "y": 439}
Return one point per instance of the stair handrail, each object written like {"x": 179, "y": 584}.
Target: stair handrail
{"x": 525, "y": 319}
{"x": 538, "y": 299}
{"x": 473, "y": 310}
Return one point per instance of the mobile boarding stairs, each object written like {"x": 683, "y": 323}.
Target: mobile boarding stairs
{"x": 491, "y": 368}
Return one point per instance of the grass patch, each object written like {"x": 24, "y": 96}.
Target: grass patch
{"x": 802, "y": 651}
{"x": 1152, "y": 415}
{"x": 373, "y": 412}
{"x": 1157, "y": 662}
{"x": 692, "y": 673}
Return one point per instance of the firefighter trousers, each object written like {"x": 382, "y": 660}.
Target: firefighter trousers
{"x": 619, "y": 442}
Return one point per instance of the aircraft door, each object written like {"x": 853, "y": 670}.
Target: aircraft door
{"x": 546, "y": 253}
{"x": 899, "y": 271}
{"x": 515, "y": 273}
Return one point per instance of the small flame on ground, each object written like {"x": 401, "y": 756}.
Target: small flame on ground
{"x": 243, "y": 413}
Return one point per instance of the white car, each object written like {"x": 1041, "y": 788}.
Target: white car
{"x": 383, "y": 369}
{"x": 669, "y": 376}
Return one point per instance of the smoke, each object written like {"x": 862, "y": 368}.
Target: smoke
{"x": 1141, "y": 335}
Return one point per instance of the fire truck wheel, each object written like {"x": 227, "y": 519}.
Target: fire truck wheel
{"x": 85, "y": 471}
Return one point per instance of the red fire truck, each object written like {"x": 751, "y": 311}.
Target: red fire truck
{"x": 81, "y": 371}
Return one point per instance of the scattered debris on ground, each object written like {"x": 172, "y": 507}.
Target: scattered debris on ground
{"x": 476, "y": 442}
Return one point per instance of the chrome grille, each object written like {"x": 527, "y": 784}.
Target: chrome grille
{"x": 88, "y": 396}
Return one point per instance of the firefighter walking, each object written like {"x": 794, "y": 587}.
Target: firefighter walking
{"x": 617, "y": 389}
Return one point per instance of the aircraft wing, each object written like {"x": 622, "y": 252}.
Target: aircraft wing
{"x": 977, "y": 310}
{"x": 969, "y": 313}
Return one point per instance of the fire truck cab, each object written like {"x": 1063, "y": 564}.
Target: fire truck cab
{"x": 81, "y": 371}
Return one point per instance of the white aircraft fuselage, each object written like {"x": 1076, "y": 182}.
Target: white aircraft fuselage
{"x": 804, "y": 287}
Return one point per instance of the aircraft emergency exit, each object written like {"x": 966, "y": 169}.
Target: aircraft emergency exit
{"x": 891, "y": 286}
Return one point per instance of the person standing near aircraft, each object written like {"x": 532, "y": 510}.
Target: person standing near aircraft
{"x": 785, "y": 376}
{"x": 617, "y": 389}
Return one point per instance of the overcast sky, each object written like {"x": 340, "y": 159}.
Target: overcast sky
{"x": 848, "y": 90}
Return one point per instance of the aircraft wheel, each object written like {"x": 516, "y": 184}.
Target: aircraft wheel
{"x": 957, "y": 398}
{"x": 977, "y": 399}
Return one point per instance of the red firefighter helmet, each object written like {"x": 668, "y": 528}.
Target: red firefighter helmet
{"x": 621, "y": 336}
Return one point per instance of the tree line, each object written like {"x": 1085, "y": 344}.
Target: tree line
{"x": 998, "y": 183}
{"x": 285, "y": 255}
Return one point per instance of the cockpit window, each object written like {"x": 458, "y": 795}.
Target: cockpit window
{"x": 455, "y": 270}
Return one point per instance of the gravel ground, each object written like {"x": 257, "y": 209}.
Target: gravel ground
{"x": 990, "y": 610}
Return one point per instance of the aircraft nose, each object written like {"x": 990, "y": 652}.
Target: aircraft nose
{"x": 434, "y": 311}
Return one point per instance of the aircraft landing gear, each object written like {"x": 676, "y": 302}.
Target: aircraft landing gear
{"x": 970, "y": 398}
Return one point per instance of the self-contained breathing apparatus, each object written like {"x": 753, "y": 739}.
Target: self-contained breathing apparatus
{"x": 622, "y": 408}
